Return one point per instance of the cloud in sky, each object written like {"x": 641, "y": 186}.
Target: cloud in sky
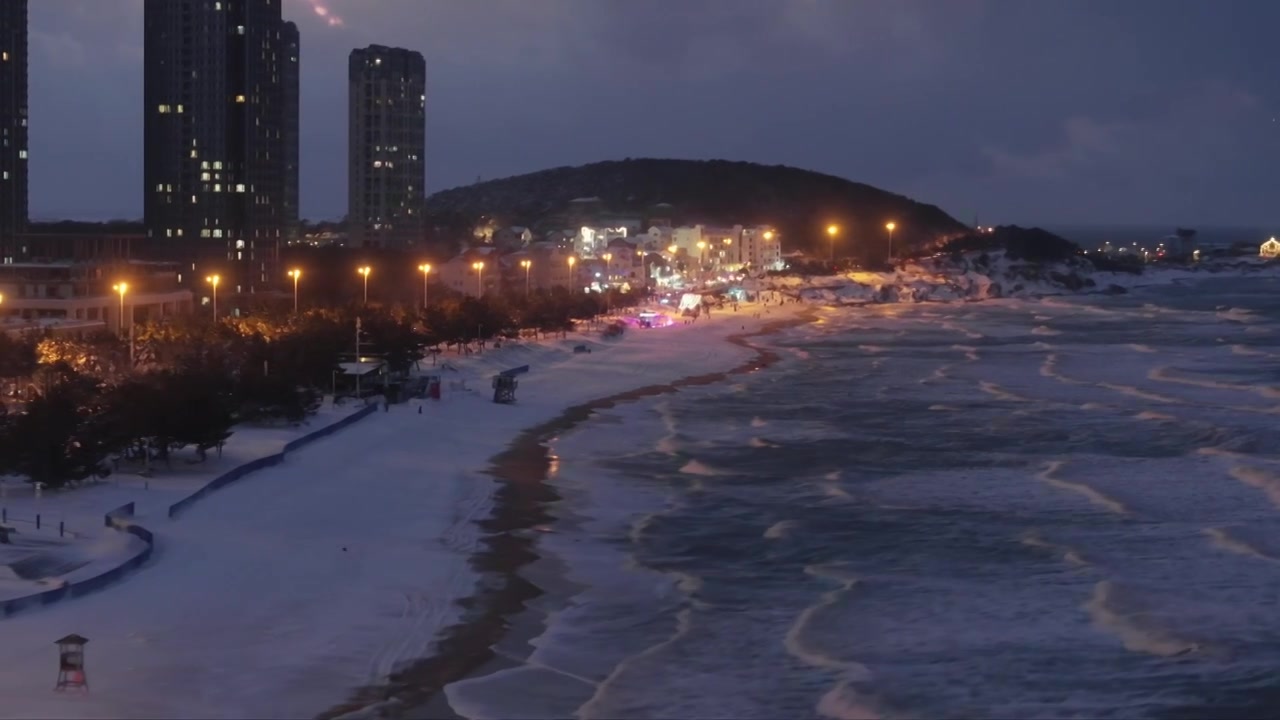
{"x": 1051, "y": 111}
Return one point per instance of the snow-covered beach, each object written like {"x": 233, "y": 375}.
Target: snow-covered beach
{"x": 280, "y": 595}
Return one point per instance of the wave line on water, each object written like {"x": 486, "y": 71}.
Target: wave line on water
{"x": 1222, "y": 539}
{"x": 1050, "y": 476}
{"x": 1134, "y": 629}
{"x": 1069, "y": 554}
{"x": 1265, "y": 480}
{"x": 841, "y": 702}
{"x": 587, "y": 711}
{"x": 1162, "y": 374}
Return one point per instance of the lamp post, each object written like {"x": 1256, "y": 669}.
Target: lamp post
{"x": 573, "y": 286}
{"x": 832, "y": 231}
{"x": 608, "y": 261}
{"x": 120, "y": 288}
{"x": 296, "y": 275}
{"x": 890, "y": 226}
{"x": 364, "y": 272}
{"x": 527, "y": 265}
{"x": 702, "y": 259}
{"x": 123, "y": 288}
{"x": 643, "y": 274}
{"x": 478, "y": 266}
{"x": 214, "y": 280}
{"x": 426, "y": 273}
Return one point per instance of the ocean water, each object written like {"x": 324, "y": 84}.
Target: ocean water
{"x": 1012, "y": 509}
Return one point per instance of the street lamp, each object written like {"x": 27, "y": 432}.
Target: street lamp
{"x": 478, "y": 266}
{"x": 527, "y": 265}
{"x": 890, "y": 226}
{"x": 608, "y": 260}
{"x": 572, "y": 261}
{"x": 120, "y": 288}
{"x": 364, "y": 272}
{"x": 295, "y": 274}
{"x": 832, "y": 231}
{"x": 644, "y": 274}
{"x": 214, "y": 280}
{"x": 426, "y": 273}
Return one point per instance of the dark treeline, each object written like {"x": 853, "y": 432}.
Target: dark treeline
{"x": 75, "y": 407}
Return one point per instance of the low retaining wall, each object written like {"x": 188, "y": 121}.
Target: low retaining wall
{"x": 235, "y": 474}
{"x": 119, "y": 519}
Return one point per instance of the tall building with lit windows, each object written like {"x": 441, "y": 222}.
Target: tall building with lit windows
{"x": 13, "y": 122}
{"x": 386, "y": 141}
{"x": 292, "y": 93}
{"x": 216, "y": 122}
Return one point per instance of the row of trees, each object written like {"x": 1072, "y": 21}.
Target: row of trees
{"x": 72, "y": 405}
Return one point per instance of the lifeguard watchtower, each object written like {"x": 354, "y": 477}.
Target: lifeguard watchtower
{"x": 504, "y": 384}
{"x": 71, "y": 663}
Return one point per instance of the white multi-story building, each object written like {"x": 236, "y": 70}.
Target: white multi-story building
{"x": 591, "y": 241}
{"x": 760, "y": 249}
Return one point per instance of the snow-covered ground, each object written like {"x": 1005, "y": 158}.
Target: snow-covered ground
{"x": 88, "y": 547}
{"x": 277, "y": 596}
{"x": 979, "y": 276}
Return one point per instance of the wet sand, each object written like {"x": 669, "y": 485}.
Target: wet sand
{"x": 500, "y": 617}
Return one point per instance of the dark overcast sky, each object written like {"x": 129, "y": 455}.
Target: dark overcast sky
{"x": 1028, "y": 111}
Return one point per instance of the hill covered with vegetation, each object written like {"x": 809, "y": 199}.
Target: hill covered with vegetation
{"x": 800, "y": 203}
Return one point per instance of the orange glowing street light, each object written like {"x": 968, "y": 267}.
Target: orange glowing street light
{"x": 478, "y": 266}
{"x": 890, "y": 226}
{"x": 296, "y": 275}
{"x": 673, "y": 249}
{"x": 364, "y": 272}
{"x": 120, "y": 288}
{"x": 214, "y": 280}
{"x": 572, "y": 261}
{"x": 832, "y": 231}
{"x": 768, "y": 235}
{"x": 425, "y": 269}
{"x": 527, "y": 265}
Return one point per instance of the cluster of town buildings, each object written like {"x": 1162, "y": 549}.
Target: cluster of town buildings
{"x": 221, "y": 166}
{"x": 603, "y": 250}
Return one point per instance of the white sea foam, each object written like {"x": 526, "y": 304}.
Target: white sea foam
{"x": 995, "y": 390}
{"x": 1070, "y": 555}
{"x": 756, "y": 422}
{"x": 1165, "y": 374}
{"x": 1044, "y": 330}
{"x": 1050, "y": 475}
{"x": 1151, "y": 415}
{"x": 1132, "y": 391}
{"x": 779, "y": 530}
{"x": 756, "y": 442}
{"x": 1135, "y": 628}
{"x": 1138, "y": 347}
{"x": 1221, "y": 538}
{"x": 841, "y": 702}
{"x": 971, "y": 353}
{"x": 695, "y": 467}
{"x": 1265, "y": 480}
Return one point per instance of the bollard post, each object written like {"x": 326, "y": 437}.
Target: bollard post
{"x": 61, "y": 529}
{"x": 37, "y": 522}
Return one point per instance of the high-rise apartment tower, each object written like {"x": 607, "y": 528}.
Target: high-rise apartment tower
{"x": 13, "y": 123}
{"x": 386, "y": 141}
{"x": 216, "y": 122}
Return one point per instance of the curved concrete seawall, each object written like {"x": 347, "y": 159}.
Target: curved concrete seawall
{"x": 120, "y": 519}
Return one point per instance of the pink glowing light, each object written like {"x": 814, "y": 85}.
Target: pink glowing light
{"x": 324, "y": 13}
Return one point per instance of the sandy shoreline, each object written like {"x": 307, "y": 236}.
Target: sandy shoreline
{"x": 498, "y": 619}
